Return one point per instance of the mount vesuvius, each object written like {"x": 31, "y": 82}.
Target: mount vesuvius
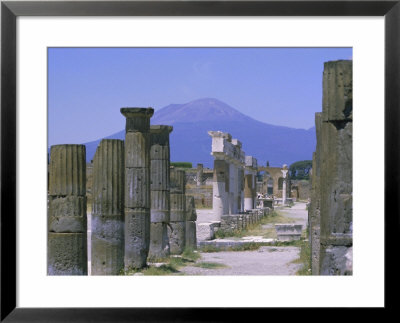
{"x": 190, "y": 140}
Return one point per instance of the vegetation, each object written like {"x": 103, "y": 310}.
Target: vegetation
{"x": 304, "y": 259}
{"x": 300, "y": 169}
{"x": 210, "y": 265}
{"x": 181, "y": 164}
{"x": 169, "y": 266}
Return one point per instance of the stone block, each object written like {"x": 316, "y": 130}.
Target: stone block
{"x": 159, "y": 241}
{"x": 67, "y": 254}
{"x": 205, "y": 231}
{"x": 177, "y": 237}
{"x": 159, "y": 175}
{"x": 158, "y": 152}
{"x": 288, "y": 232}
{"x": 67, "y": 170}
{"x": 137, "y": 192}
{"x": 67, "y": 214}
{"x": 137, "y": 150}
{"x": 137, "y": 237}
{"x": 177, "y": 181}
{"x": 107, "y": 256}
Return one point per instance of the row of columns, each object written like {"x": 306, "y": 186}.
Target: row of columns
{"x": 230, "y": 185}
{"x": 139, "y": 206}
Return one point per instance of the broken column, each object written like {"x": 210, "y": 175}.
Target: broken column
{"x": 336, "y": 186}
{"x": 177, "y": 225}
{"x": 238, "y": 162}
{"x": 160, "y": 191}
{"x": 250, "y": 183}
{"x": 107, "y": 249}
{"x": 137, "y": 186}
{"x": 191, "y": 218}
{"x": 199, "y": 180}
{"x": 67, "y": 221}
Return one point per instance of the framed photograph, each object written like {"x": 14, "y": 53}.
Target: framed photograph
{"x": 38, "y": 44}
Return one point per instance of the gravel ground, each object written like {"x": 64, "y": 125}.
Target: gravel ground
{"x": 264, "y": 261}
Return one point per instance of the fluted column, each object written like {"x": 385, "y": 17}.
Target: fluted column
{"x": 177, "y": 226}
{"x": 191, "y": 218}
{"x": 137, "y": 186}
{"x": 67, "y": 221}
{"x": 160, "y": 195}
{"x": 107, "y": 239}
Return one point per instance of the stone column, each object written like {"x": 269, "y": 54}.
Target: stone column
{"x": 107, "y": 239}
{"x": 284, "y": 175}
{"x": 191, "y": 218}
{"x": 67, "y": 221}
{"x": 336, "y": 171}
{"x": 177, "y": 225}
{"x": 160, "y": 194}
{"x": 220, "y": 189}
{"x": 250, "y": 183}
{"x": 199, "y": 174}
{"x": 137, "y": 186}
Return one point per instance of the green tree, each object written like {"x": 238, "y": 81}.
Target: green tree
{"x": 300, "y": 169}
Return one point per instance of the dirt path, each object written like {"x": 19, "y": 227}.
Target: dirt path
{"x": 264, "y": 261}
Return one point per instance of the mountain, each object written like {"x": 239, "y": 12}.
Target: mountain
{"x": 190, "y": 140}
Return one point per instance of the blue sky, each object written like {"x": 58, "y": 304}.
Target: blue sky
{"x": 88, "y": 86}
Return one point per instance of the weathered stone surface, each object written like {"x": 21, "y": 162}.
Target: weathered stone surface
{"x": 137, "y": 149}
{"x": 178, "y": 206}
{"x": 191, "y": 241}
{"x": 137, "y": 187}
{"x": 206, "y": 231}
{"x": 177, "y": 237}
{"x": 107, "y": 257}
{"x": 288, "y": 232}
{"x": 160, "y": 206}
{"x": 68, "y": 224}
{"x": 67, "y": 174}
{"x": 67, "y": 254}
{"x": 177, "y": 181}
{"x": 337, "y": 91}
{"x": 67, "y": 206}
{"x": 159, "y": 174}
{"x": 191, "y": 214}
{"x": 108, "y": 178}
{"x": 331, "y": 204}
{"x": 137, "y": 237}
{"x": 137, "y": 118}
{"x": 159, "y": 241}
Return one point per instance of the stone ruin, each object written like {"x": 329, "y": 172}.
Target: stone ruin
{"x": 331, "y": 208}
{"x": 139, "y": 209}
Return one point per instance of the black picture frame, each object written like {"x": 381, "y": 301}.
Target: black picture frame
{"x": 10, "y": 10}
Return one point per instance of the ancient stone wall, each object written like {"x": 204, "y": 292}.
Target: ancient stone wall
{"x": 334, "y": 156}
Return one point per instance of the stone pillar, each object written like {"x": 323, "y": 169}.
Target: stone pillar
{"x": 284, "y": 182}
{"x": 250, "y": 192}
{"x": 177, "y": 226}
{"x": 336, "y": 186}
{"x": 191, "y": 218}
{"x": 67, "y": 221}
{"x": 199, "y": 174}
{"x": 107, "y": 249}
{"x": 160, "y": 195}
{"x": 220, "y": 189}
{"x": 137, "y": 186}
